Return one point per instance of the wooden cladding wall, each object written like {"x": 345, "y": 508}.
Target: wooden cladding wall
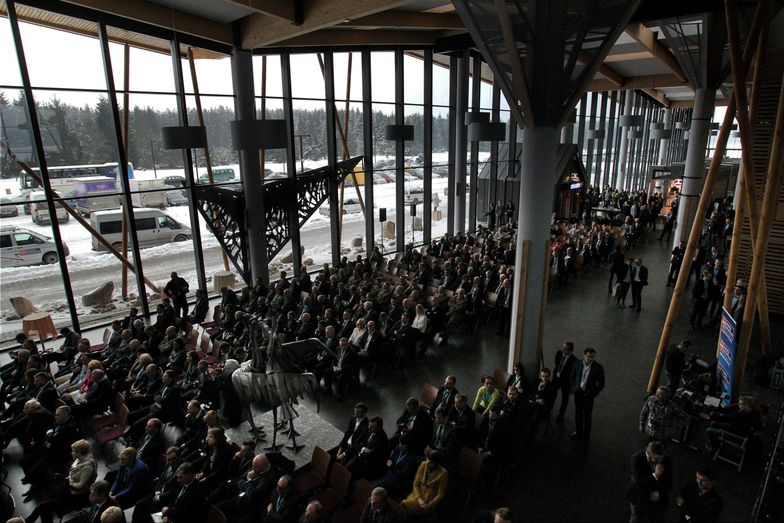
{"x": 764, "y": 126}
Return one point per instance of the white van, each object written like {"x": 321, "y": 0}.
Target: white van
{"x": 153, "y": 227}
{"x": 39, "y": 210}
{"x": 20, "y": 247}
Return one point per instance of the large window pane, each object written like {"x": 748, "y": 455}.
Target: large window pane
{"x": 148, "y": 70}
{"x": 414, "y": 79}
{"x": 382, "y": 77}
{"x": 307, "y": 81}
{"x": 310, "y": 130}
{"x": 267, "y": 67}
{"x": 341, "y": 68}
{"x": 62, "y": 59}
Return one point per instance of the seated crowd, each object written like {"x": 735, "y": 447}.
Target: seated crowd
{"x": 148, "y": 374}
{"x": 364, "y": 312}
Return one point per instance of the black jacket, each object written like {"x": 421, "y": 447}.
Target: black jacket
{"x": 186, "y": 504}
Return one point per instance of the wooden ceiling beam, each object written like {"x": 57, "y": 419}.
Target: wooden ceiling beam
{"x": 626, "y": 57}
{"x": 407, "y": 20}
{"x": 653, "y": 81}
{"x": 161, "y": 16}
{"x": 611, "y": 74}
{"x": 339, "y": 37}
{"x": 658, "y": 96}
{"x": 649, "y": 41}
{"x": 282, "y": 9}
{"x": 259, "y": 30}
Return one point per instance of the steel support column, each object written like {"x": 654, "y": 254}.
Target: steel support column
{"x": 123, "y": 163}
{"x": 450, "y": 184}
{"x": 694, "y": 168}
{"x": 38, "y": 143}
{"x": 492, "y": 185}
{"x": 187, "y": 162}
{"x": 400, "y": 156}
{"x": 427, "y": 145}
{"x": 476, "y": 88}
{"x": 612, "y": 135}
{"x": 461, "y": 143}
{"x": 367, "y": 143}
{"x": 620, "y": 173}
{"x": 664, "y": 145}
{"x": 334, "y": 216}
{"x": 245, "y": 109}
{"x": 291, "y": 160}
{"x": 535, "y": 206}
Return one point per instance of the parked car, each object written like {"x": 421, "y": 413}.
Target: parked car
{"x": 20, "y": 247}
{"x": 23, "y": 200}
{"x": 175, "y": 198}
{"x": 225, "y": 174}
{"x": 378, "y": 178}
{"x": 8, "y": 208}
{"x": 174, "y": 181}
{"x": 350, "y": 206}
{"x": 415, "y": 194}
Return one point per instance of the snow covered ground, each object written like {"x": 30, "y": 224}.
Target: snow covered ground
{"x": 89, "y": 269}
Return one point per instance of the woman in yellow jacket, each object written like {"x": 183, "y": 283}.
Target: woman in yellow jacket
{"x": 429, "y": 487}
{"x": 486, "y": 396}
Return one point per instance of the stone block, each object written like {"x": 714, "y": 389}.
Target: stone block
{"x": 388, "y": 229}
{"x": 289, "y": 257}
{"x": 418, "y": 223}
{"x": 438, "y": 216}
{"x": 101, "y": 296}
{"x": 22, "y": 306}
{"x": 356, "y": 242}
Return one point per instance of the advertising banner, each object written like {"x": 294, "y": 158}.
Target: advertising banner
{"x": 726, "y": 364}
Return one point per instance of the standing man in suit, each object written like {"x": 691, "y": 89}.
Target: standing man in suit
{"x": 504, "y": 304}
{"x": 651, "y": 484}
{"x": 562, "y": 375}
{"x": 587, "y": 383}
{"x": 177, "y": 289}
{"x": 639, "y": 280}
{"x": 676, "y": 260}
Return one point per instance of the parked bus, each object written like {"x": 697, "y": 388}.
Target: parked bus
{"x": 62, "y": 177}
{"x": 95, "y": 193}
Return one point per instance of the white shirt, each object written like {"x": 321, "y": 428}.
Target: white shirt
{"x": 420, "y": 322}
{"x": 584, "y": 378}
{"x": 356, "y": 336}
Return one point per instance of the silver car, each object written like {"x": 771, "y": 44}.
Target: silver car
{"x": 20, "y": 247}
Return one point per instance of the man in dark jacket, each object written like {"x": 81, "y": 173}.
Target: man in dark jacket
{"x": 699, "y": 501}
{"x": 283, "y": 505}
{"x": 378, "y": 509}
{"x": 164, "y": 484}
{"x": 132, "y": 479}
{"x": 354, "y": 436}
{"x": 650, "y": 484}
{"x": 55, "y": 454}
{"x": 201, "y": 308}
{"x": 562, "y": 375}
{"x": 254, "y": 489}
{"x": 639, "y": 280}
{"x": 587, "y": 383}
{"x": 188, "y": 504}
{"x": 177, "y": 289}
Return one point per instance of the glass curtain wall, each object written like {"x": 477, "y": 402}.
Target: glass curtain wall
{"x": 75, "y": 117}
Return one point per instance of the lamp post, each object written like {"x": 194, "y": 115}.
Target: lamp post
{"x": 301, "y": 151}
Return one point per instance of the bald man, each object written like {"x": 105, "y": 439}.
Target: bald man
{"x": 250, "y": 504}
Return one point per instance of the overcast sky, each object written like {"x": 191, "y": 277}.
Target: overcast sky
{"x": 59, "y": 59}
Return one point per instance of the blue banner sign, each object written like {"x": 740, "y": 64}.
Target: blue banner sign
{"x": 726, "y": 365}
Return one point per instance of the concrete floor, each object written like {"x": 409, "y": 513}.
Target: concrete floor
{"x": 557, "y": 482}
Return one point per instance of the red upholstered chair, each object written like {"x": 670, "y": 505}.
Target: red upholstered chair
{"x": 315, "y": 475}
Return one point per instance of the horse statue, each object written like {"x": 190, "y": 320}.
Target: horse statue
{"x": 273, "y": 378}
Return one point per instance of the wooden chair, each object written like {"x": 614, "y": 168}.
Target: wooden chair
{"x": 336, "y": 495}
{"x": 500, "y": 377}
{"x": 429, "y": 395}
{"x": 315, "y": 476}
{"x": 214, "y": 515}
{"x": 732, "y": 449}
{"x": 469, "y": 462}
{"x": 115, "y": 431}
{"x": 105, "y": 420}
{"x": 359, "y": 497}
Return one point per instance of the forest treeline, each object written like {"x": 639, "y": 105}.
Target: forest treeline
{"x": 76, "y": 135}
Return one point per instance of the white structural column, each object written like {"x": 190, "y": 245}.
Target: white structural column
{"x": 694, "y": 169}
{"x": 665, "y": 142}
{"x": 535, "y": 208}
{"x": 619, "y": 177}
